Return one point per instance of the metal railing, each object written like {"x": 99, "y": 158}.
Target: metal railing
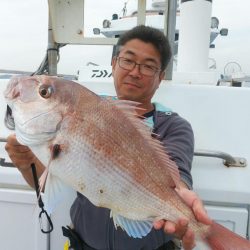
{"x": 228, "y": 160}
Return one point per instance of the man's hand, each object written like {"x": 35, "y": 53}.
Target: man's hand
{"x": 181, "y": 229}
{"x": 20, "y": 155}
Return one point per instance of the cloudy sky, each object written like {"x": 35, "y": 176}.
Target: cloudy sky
{"x": 23, "y": 34}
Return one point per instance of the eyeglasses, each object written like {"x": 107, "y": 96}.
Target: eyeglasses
{"x": 145, "y": 69}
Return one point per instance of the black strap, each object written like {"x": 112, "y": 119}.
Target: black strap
{"x": 43, "y": 212}
{"x": 76, "y": 242}
{"x": 170, "y": 245}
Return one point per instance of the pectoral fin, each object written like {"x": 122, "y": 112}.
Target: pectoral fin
{"x": 55, "y": 191}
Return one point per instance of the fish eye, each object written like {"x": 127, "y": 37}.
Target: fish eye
{"x": 45, "y": 91}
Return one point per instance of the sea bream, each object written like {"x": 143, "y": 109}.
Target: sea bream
{"x": 103, "y": 150}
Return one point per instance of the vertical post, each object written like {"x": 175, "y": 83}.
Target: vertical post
{"x": 194, "y": 35}
{"x": 52, "y": 51}
{"x": 141, "y": 17}
{"x": 169, "y": 31}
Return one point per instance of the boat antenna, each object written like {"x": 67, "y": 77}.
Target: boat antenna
{"x": 124, "y": 9}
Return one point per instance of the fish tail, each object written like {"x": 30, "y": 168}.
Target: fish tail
{"x": 220, "y": 238}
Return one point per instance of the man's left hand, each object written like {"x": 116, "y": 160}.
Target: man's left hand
{"x": 180, "y": 229}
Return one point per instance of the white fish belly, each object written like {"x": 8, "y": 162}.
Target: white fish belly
{"x": 106, "y": 185}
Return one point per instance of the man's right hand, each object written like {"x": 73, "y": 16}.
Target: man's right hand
{"x": 20, "y": 155}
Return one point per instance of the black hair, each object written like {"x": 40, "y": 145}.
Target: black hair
{"x": 151, "y": 35}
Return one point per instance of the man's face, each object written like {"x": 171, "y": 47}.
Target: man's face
{"x": 131, "y": 84}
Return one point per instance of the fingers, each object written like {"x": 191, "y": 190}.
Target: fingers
{"x": 200, "y": 212}
{"x": 181, "y": 228}
{"x": 20, "y": 155}
{"x": 13, "y": 147}
{"x": 158, "y": 224}
{"x": 178, "y": 229}
{"x": 188, "y": 240}
{"x": 195, "y": 203}
{"x": 167, "y": 226}
{"x": 11, "y": 139}
{"x": 187, "y": 195}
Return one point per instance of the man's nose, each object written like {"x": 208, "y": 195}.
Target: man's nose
{"x": 135, "y": 72}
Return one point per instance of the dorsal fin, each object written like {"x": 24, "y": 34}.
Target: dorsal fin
{"x": 129, "y": 108}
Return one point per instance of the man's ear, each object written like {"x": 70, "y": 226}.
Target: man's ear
{"x": 113, "y": 63}
{"x": 162, "y": 75}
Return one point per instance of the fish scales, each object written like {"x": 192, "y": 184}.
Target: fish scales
{"x": 108, "y": 138}
{"x": 104, "y": 154}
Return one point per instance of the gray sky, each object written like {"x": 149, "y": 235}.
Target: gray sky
{"x": 23, "y": 34}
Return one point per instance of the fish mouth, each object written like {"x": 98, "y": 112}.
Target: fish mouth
{"x": 9, "y": 119}
{"x": 12, "y": 91}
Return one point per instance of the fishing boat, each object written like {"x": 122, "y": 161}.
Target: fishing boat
{"x": 219, "y": 115}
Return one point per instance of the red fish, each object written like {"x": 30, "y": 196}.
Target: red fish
{"x": 102, "y": 150}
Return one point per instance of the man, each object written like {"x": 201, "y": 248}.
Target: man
{"x": 141, "y": 57}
